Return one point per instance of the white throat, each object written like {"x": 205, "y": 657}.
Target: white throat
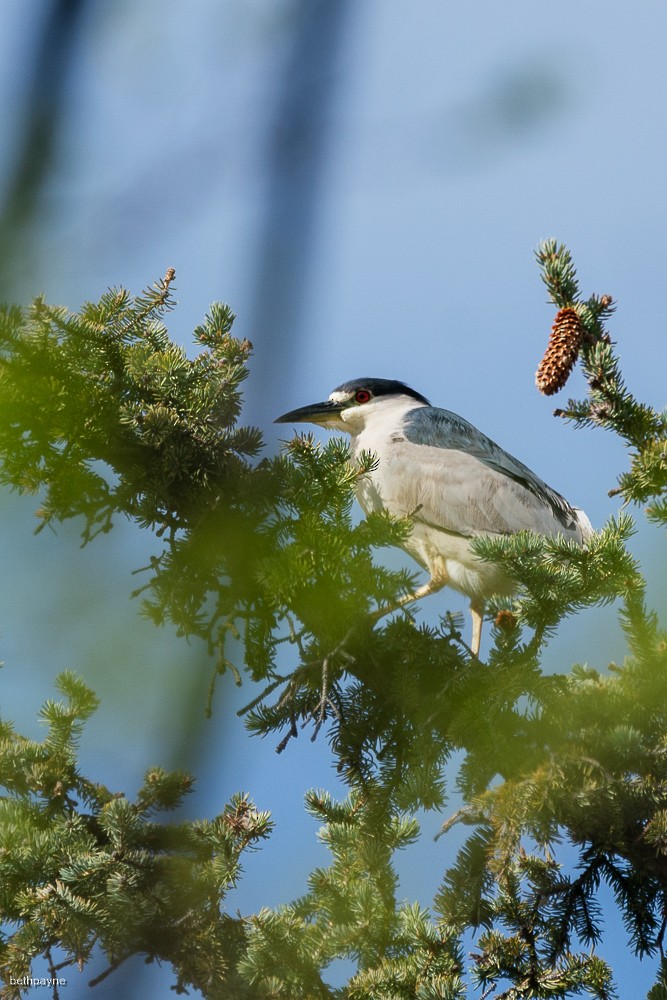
{"x": 382, "y": 414}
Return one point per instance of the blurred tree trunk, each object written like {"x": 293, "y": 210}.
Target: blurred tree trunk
{"x": 297, "y": 148}
{"x": 45, "y": 83}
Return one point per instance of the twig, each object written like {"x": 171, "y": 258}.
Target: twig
{"x": 107, "y": 972}
{"x": 324, "y": 697}
{"x": 293, "y": 732}
{"x": 459, "y": 815}
{"x": 262, "y": 695}
{"x": 661, "y": 934}
{"x": 52, "y": 972}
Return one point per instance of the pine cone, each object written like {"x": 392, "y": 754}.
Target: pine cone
{"x": 561, "y": 353}
{"x": 505, "y": 620}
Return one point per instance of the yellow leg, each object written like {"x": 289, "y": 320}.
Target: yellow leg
{"x": 431, "y": 587}
{"x": 477, "y": 615}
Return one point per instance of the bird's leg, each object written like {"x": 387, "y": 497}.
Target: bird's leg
{"x": 477, "y": 615}
{"x": 437, "y": 582}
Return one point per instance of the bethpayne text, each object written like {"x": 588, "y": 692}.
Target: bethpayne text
{"x": 33, "y": 981}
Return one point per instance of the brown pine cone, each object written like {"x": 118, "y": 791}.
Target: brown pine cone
{"x": 561, "y": 353}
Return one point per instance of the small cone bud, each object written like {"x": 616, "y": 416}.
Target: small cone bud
{"x": 561, "y": 353}
{"x": 505, "y": 620}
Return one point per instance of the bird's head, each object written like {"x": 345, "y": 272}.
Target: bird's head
{"x": 351, "y": 404}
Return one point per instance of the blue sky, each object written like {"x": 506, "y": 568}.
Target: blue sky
{"x": 393, "y": 237}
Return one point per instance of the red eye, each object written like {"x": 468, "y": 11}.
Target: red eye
{"x": 362, "y": 396}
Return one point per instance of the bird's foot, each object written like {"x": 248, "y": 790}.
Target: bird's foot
{"x": 431, "y": 587}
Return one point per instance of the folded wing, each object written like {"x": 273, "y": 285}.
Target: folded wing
{"x": 465, "y": 483}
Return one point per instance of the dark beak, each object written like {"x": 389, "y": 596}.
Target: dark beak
{"x": 316, "y": 413}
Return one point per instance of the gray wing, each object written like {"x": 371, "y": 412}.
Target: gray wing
{"x": 468, "y": 484}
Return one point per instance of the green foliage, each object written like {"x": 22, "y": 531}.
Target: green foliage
{"x": 609, "y": 404}
{"x": 83, "y": 868}
{"x": 597, "y": 775}
{"x": 103, "y": 415}
{"x": 351, "y": 911}
{"x": 560, "y": 578}
{"x": 109, "y": 416}
{"x": 592, "y": 746}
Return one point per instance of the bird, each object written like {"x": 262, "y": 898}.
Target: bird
{"x": 452, "y": 480}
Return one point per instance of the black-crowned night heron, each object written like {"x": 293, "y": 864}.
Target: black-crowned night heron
{"x": 456, "y": 483}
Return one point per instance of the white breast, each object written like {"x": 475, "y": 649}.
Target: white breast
{"x": 394, "y": 486}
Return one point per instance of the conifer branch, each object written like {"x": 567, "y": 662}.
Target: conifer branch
{"x": 104, "y": 416}
{"x": 610, "y": 404}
